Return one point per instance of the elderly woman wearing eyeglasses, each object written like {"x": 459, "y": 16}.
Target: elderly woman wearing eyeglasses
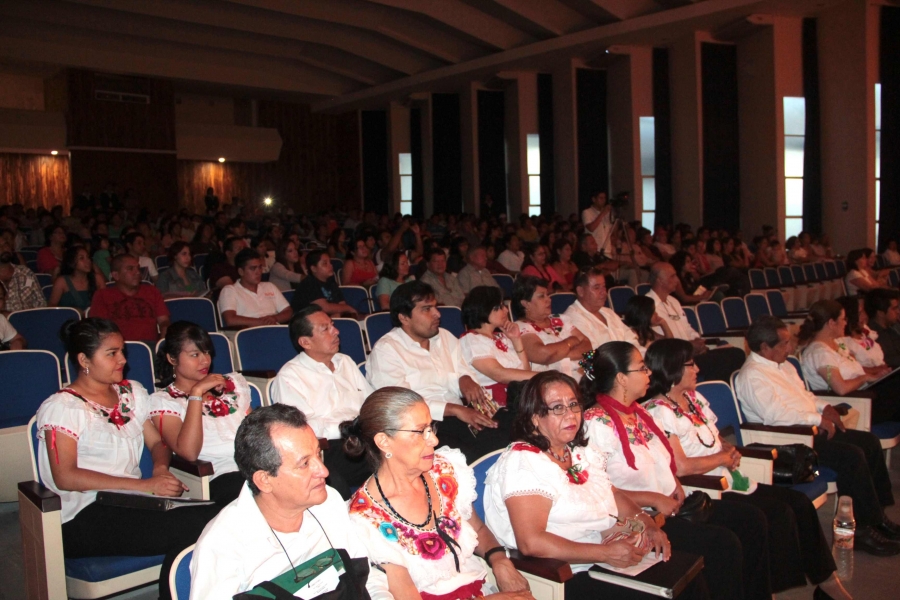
{"x": 796, "y": 542}
{"x": 419, "y": 501}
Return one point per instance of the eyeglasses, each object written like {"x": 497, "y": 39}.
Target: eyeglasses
{"x": 561, "y": 409}
{"x": 643, "y": 369}
{"x": 426, "y": 433}
{"x": 690, "y": 364}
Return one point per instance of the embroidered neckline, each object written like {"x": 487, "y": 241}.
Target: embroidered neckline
{"x": 118, "y": 415}
{"x": 556, "y": 326}
{"x": 213, "y": 406}
{"x": 497, "y": 338}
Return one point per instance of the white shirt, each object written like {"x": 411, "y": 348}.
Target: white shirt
{"x": 852, "y": 276}
{"x": 652, "y": 472}
{"x": 238, "y": 550}
{"x": 145, "y": 262}
{"x": 7, "y": 331}
{"x": 602, "y": 233}
{"x": 326, "y": 398}
{"x": 865, "y": 350}
{"x": 697, "y": 434}
{"x": 560, "y": 328}
{"x": 818, "y": 355}
{"x": 578, "y": 513}
{"x": 102, "y": 446}
{"x": 475, "y": 346}
{"x": 773, "y": 394}
{"x": 397, "y": 360}
{"x": 892, "y": 257}
{"x": 674, "y": 315}
{"x": 221, "y": 419}
{"x": 266, "y": 302}
{"x": 615, "y": 329}
{"x": 512, "y": 260}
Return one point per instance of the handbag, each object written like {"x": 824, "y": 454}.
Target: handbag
{"x": 794, "y": 463}
{"x": 351, "y": 584}
{"x": 697, "y": 507}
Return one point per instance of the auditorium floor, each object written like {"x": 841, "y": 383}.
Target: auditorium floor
{"x": 873, "y": 578}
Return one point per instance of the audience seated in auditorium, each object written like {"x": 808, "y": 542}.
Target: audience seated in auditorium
{"x": 136, "y": 308}
{"x": 396, "y": 432}
{"x": 512, "y": 256}
{"x": 285, "y": 516}
{"x": 883, "y": 309}
{"x": 77, "y": 281}
{"x": 10, "y": 339}
{"x": 394, "y": 273}
{"x": 860, "y": 274}
{"x": 590, "y": 315}
{"x": 50, "y": 256}
{"x": 891, "y": 256}
{"x": 136, "y": 246}
{"x": 287, "y": 271}
{"x": 732, "y": 541}
{"x": 664, "y": 281}
{"x": 598, "y": 220}
{"x": 447, "y": 290}
{"x": 180, "y": 280}
{"x": 797, "y": 545}
{"x": 250, "y": 301}
{"x": 771, "y": 393}
{"x": 320, "y": 287}
{"x": 562, "y": 261}
{"x": 475, "y": 273}
{"x": 198, "y": 412}
{"x": 418, "y": 354}
{"x": 21, "y": 286}
{"x": 858, "y": 338}
{"x": 224, "y": 272}
{"x": 92, "y": 435}
{"x": 325, "y": 384}
{"x": 536, "y": 265}
{"x": 359, "y": 268}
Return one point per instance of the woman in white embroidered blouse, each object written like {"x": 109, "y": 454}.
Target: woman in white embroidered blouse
{"x": 199, "y": 412}
{"x": 92, "y": 435}
{"x": 492, "y": 344}
{"x": 796, "y": 542}
{"x": 551, "y": 341}
{"x": 858, "y": 338}
{"x": 861, "y": 277}
{"x": 416, "y": 509}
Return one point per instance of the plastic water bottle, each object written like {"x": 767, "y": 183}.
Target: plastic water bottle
{"x": 844, "y": 533}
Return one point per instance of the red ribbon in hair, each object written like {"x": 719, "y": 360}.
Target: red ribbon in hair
{"x": 613, "y": 408}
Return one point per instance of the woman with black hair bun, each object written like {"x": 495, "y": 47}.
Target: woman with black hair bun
{"x": 92, "y": 435}
{"x": 199, "y": 412}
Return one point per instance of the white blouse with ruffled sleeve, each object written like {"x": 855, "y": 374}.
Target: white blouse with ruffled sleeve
{"x": 819, "y": 354}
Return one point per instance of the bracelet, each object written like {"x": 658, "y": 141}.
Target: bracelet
{"x": 195, "y": 398}
{"x": 487, "y": 555}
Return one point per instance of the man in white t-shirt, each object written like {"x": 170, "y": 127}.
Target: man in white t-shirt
{"x": 598, "y": 220}
{"x": 285, "y": 515}
{"x": 326, "y": 385}
{"x": 664, "y": 281}
{"x": 512, "y": 257}
{"x": 251, "y": 301}
{"x": 591, "y": 316}
{"x": 136, "y": 246}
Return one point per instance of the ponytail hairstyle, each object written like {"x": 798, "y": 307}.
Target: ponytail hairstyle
{"x": 85, "y": 336}
{"x": 601, "y": 366}
{"x": 381, "y": 412}
{"x": 179, "y": 335}
{"x": 820, "y": 313}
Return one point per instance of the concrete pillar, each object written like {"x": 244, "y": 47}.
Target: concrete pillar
{"x": 848, "y": 71}
{"x": 468, "y": 117}
{"x": 565, "y": 137}
{"x": 687, "y": 129}
{"x": 521, "y": 119}
{"x": 398, "y": 142}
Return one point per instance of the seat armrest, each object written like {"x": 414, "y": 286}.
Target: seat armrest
{"x": 551, "y": 569}
{"x": 197, "y": 468}
{"x": 259, "y": 374}
{"x": 40, "y": 496}
{"x": 857, "y": 394}
{"x": 233, "y": 327}
{"x": 758, "y": 453}
{"x": 785, "y": 429}
{"x": 706, "y": 482}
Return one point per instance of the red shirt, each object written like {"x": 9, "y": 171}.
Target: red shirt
{"x": 46, "y": 262}
{"x": 135, "y": 315}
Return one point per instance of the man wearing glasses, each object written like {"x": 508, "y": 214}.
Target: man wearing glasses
{"x": 285, "y": 522}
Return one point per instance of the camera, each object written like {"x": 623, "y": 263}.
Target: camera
{"x": 619, "y": 200}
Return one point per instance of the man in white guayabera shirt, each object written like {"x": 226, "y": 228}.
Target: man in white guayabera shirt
{"x": 591, "y": 316}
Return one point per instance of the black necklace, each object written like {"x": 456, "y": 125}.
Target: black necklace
{"x": 394, "y": 511}
{"x": 693, "y": 410}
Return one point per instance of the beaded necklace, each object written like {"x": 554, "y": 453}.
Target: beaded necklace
{"x": 695, "y": 417}
{"x": 394, "y": 510}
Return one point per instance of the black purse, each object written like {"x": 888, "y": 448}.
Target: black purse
{"x": 696, "y": 508}
{"x": 794, "y": 463}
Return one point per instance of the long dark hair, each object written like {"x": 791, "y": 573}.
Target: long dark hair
{"x": 851, "y": 311}
{"x": 67, "y": 266}
{"x": 600, "y": 372}
{"x": 638, "y": 315}
{"x": 666, "y": 359}
{"x": 820, "y": 313}
{"x": 178, "y": 335}
{"x": 531, "y": 403}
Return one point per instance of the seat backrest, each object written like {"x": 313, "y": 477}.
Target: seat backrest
{"x": 643, "y": 288}
{"x": 43, "y": 279}
{"x": 48, "y": 291}
{"x": 362, "y": 368}
{"x": 256, "y": 397}
{"x": 357, "y": 297}
{"x": 692, "y": 318}
{"x": 772, "y": 278}
{"x": 841, "y": 267}
{"x": 831, "y": 269}
{"x": 140, "y": 365}
{"x": 180, "y": 575}
{"x": 337, "y": 264}
{"x": 40, "y": 326}
{"x": 786, "y": 276}
{"x": 821, "y": 273}
{"x": 480, "y": 468}
{"x": 723, "y": 404}
{"x": 162, "y": 261}
{"x": 798, "y": 273}
{"x": 351, "y": 339}
{"x": 451, "y": 320}
{"x": 757, "y": 279}
{"x": 288, "y": 295}
{"x": 29, "y": 377}
{"x": 795, "y": 362}
{"x": 776, "y": 303}
{"x": 619, "y": 296}
{"x": 28, "y": 254}
{"x": 757, "y": 306}
{"x": 561, "y": 301}
{"x": 200, "y": 311}
{"x": 810, "y": 272}
{"x": 735, "y": 312}
{"x": 894, "y": 278}
{"x": 200, "y": 262}
{"x": 712, "y": 321}
{"x": 264, "y": 348}
{"x": 376, "y": 326}
{"x": 505, "y": 282}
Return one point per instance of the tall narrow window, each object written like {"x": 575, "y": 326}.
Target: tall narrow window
{"x": 534, "y": 174}
{"x": 794, "y": 137}
{"x": 877, "y": 159}
{"x": 406, "y": 183}
{"x": 648, "y": 171}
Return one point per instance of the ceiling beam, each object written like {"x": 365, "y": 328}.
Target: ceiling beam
{"x": 629, "y": 9}
{"x": 364, "y": 44}
{"x": 549, "y": 14}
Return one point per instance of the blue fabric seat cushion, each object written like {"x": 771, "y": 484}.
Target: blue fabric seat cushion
{"x": 102, "y": 568}
{"x": 886, "y": 431}
{"x": 813, "y": 489}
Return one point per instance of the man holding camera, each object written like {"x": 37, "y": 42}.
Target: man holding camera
{"x": 598, "y": 219}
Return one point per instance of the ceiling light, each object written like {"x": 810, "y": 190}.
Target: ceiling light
{"x": 221, "y": 159}
{"x": 267, "y": 201}
{"x": 54, "y": 152}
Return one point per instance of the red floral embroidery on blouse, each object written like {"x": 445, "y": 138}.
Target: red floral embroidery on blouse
{"x": 524, "y": 446}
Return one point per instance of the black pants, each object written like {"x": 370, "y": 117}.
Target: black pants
{"x": 455, "y": 433}
{"x": 862, "y": 473}
{"x": 797, "y": 546}
{"x": 886, "y": 404}
{"x": 116, "y": 531}
{"x": 585, "y": 587}
{"x": 734, "y": 546}
{"x": 226, "y": 488}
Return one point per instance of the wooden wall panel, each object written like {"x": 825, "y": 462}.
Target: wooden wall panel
{"x": 319, "y": 166}
{"x": 35, "y": 180}
{"x": 153, "y": 176}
